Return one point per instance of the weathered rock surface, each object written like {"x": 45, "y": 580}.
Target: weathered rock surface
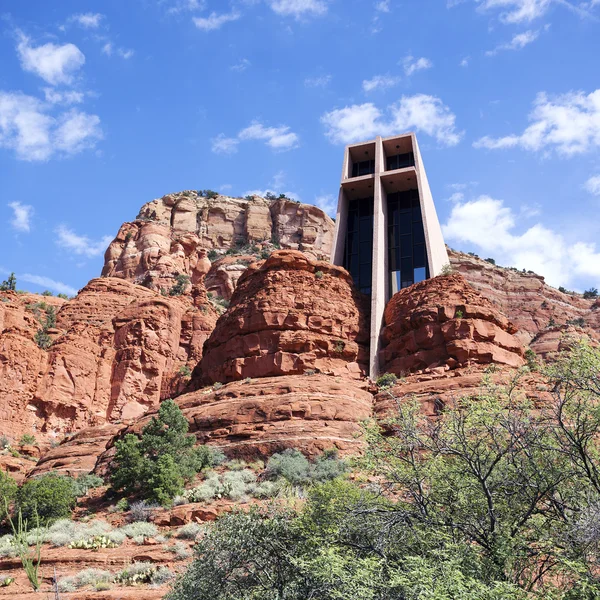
{"x": 171, "y": 235}
{"x": 444, "y": 322}
{"x": 288, "y": 315}
{"x": 116, "y": 352}
{"x": 256, "y": 418}
{"x": 531, "y": 304}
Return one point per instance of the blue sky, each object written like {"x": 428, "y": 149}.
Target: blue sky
{"x": 107, "y": 104}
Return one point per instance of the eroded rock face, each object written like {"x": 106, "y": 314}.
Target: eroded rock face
{"x": 533, "y": 306}
{"x": 117, "y": 351}
{"x": 288, "y": 315}
{"x": 173, "y": 234}
{"x": 444, "y": 322}
{"x": 256, "y": 418}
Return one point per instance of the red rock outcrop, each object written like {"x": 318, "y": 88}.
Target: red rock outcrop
{"x": 225, "y": 273}
{"x": 289, "y": 315}
{"x": 117, "y": 350}
{"x": 531, "y": 304}
{"x": 258, "y": 417}
{"x": 444, "y": 322}
{"x": 171, "y": 235}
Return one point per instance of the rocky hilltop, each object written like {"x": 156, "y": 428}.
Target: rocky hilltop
{"x": 230, "y": 307}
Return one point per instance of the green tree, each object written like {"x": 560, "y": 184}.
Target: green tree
{"x": 158, "y": 463}
{"x": 47, "y": 498}
{"x": 8, "y": 493}
{"x": 9, "y": 284}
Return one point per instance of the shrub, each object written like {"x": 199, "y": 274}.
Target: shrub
{"x": 563, "y": 289}
{"x": 233, "y": 485}
{"x": 319, "y": 274}
{"x": 8, "y": 492}
{"x": 49, "y": 497}
{"x": 47, "y": 293}
{"x": 136, "y": 573}
{"x": 9, "y": 284}
{"x": 84, "y": 483}
{"x": 446, "y": 269}
{"x": 139, "y": 529}
{"x": 85, "y": 578}
{"x": 185, "y": 371}
{"x": 591, "y": 293}
{"x": 339, "y": 346}
{"x": 42, "y": 339}
{"x": 490, "y": 260}
{"x": 579, "y": 322}
{"x": 458, "y": 314}
{"x": 265, "y": 253}
{"x": 158, "y": 463}
{"x": 387, "y": 380}
{"x": 208, "y": 193}
{"x": 122, "y": 505}
{"x": 63, "y": 296}
{"x": 180, "y": 550}
{"x": 181, "y": 282}
{"x": 4, "y": 442}
{"x": 212, "y": 255}
{"x": 189, "y": 531}
{"x": 531, "y": 358}
{"x": 217, "y": 386}
{"x": 141, "y": 511}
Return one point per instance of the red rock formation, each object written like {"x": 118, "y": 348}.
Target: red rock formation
{"x": 117, "y": 349}
{"x": 444, "y": 322}
{"x": 225, "y": 273}
{"x": 289, "y": 315}
{"x": 171, "y": 235}
{"x": 256, "y": 418}
{"x": 531, "y": 304}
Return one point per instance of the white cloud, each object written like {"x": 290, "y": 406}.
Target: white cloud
{"x": 87, "y": 20}
{"x": 22, "y": 214}
{"x": 518, "y": 42}
{"x": 186, "y": 6}
{"x": 215, "y": 21}
{"x": 224, "y": 145}
{"x": 109, "y": 49}
{"x": 299, "y": 8}
{"x": 327, "y": 203}
{"x": 490, "y": 225}
{"x": 420, "y": 112}
{"x": 383, "y": 6}
{"x": 314, "y": 82}
{"x": 592, "y": 185}
{"x": 465, "y": 61}
{"x": 80, "y": 244}
{"x": 380, "y": 82}
{"x": 278, "y": 138}
{"x": 412, "y": 65}
{"x": 569, "y": 124}
{"x": 54, "y": 64}
{"x": 68, "y": 97}
{"x": 28, "y": 129}
{"x": 518, "y": 11}
{"x": 241, "y": 66}
{"x": 49, "y": 284}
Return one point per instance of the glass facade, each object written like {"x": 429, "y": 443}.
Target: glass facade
{"x": 400, "y": 161}
{"x": 358, "y": 252}
{"x": 407, "y": 254}
{"x": 365, "y": 167}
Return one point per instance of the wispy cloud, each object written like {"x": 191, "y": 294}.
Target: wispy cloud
{"x": 319, "y": 81}
{"x": 180, "y": 6}
{"x": 87, "y": 20}
{"x": 518, "y": 42}
{"x": 215, "y": 21}
{"x": 421, "y": 112}
{"x": 110, "y": 49}
{"x": 327, "y": 203}
{"x": 299, "y": 8}
{"x": 382, "y": 6}
{"x": 54, "y": 96}
{"x": 412, "y": 65}
{"x": 49, "y": 284}
{"x": 22, "y": 215}
{"x": 278, "y": 138}
{"x": 80, "y": 244}
{"x": 54, "y": 64}
{"x": 240, "y": 66}
{"x": 380, "y": 82}
{"x": 592, "y": 185}
{"x": 568, "y": 124}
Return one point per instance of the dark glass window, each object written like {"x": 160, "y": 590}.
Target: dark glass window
{"x": 365, "y": 167}
{"x": 400, "y": 161}
{"x": 407, "y": 256}
{"x": 358, "y": 253}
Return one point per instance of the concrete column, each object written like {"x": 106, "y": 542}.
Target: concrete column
{"x": 437, "y": 254}
{"x": 341, "y": 226}
{"x": 378, "y": 282}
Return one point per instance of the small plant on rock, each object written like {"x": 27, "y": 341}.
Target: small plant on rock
{"x": 387, "y": 380}
{"x": 27, "y": 439}
{"x": 185, "y": 371}
{"x": 319, "y": 274}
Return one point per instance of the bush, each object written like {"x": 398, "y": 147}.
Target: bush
{"x": 139, "y": 529}
{"x": 189, "y": 531}
{"x": 531, "y": 358}
{"x": 181, "y": 282}
{"x": 136, "y": 573}
{"x": 212, "y": 255}
{"x": 490, "y": 260}
{"x": 387, "y": 380}
{"x": 84, "y": 483}
{"x": 319, "y": 274}
{"x": 185, "y": 371}
{"x": 47, "y": 293}
{"x": 63, "y": 296}
{"x": 141, "y": 511}
{"x": 562, "y": 289}
{"x": 446, "y": 269}
{"x": 591, "y": 293}
{"x": 297, "y": 470}
{"x": 49, "y": 497}
{"x": 8, "y": 493}
{"x": 4, "y": 442}
{"x": 85, "y": 578}
{"x": 158, "y": 464}
{"x": 9, "y": 284}
{"x": 180, "y": 550}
